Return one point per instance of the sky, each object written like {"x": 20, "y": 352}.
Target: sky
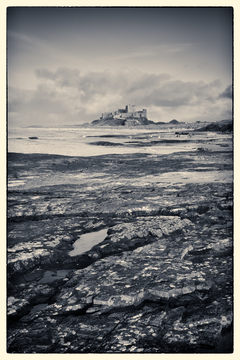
{"x": 67, "y": 65}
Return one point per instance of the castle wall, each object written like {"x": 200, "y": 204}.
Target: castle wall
{"x": 106, "y": 115}
{"x": 129, "y": 111}
{"x": 121, "y": 115}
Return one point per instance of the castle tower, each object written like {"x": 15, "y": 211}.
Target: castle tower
{"x": 144, "y": 113}
{"x": 130, "y": 108}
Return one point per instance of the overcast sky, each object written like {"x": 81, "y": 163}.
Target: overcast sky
{"x": 68, "y": 65}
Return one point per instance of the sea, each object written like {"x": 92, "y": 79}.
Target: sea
{"x": 89, "y": 141}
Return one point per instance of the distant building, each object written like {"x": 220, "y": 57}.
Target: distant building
{"x": 128, "y": 112}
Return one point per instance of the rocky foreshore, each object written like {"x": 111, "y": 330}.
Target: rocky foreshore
{"x": 161, "y": 279}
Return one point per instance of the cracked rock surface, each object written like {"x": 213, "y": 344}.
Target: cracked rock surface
{"x": 161, "y": 279}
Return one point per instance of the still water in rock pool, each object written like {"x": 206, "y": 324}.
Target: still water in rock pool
{"x": 87, "y": 241}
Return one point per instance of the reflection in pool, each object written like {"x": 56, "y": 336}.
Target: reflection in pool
{"x": 86, "y": 241}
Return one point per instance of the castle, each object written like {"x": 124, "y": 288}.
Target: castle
{"x": 128, "y": 112}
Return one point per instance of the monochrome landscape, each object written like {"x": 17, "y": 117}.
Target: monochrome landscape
{"x": 120, "y": 180}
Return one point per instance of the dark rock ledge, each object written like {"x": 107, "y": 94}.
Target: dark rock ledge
{"x": 150, "y": 299}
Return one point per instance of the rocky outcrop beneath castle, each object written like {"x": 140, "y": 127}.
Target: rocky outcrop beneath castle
{"x": 122, "y": 122}
{"x": 108, "y": 122}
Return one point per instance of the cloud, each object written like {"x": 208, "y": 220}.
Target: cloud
{"x": 227, "y": 93}
{"x": 67, "y": 95}
{"x": 24, "y": 39}
{"x": 45, "y": 105}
